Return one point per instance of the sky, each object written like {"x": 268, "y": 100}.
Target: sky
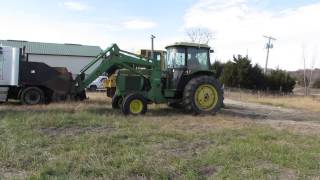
{"x": 238, "y": 25}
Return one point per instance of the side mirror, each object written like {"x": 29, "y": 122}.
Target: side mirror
{"x": 211, "y": 51}
{"x": 0, "y": 50}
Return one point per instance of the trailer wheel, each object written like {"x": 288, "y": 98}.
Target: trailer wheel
{"x": 117, "y": 102}
{"x": 32, "y": 96}
{"x": 134, "y": 104}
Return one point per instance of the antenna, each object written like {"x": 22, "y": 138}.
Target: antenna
{"x": 268, "y": 47}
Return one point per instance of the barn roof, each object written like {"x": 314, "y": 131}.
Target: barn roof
{"x": 53, "y": 48}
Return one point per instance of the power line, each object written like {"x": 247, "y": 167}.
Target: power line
{"x": 268, "y": 47}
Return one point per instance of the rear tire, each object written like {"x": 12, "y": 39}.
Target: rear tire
{"x": 32, "y": 96}
{"x": 134, "y": 104}
{"x": 203, "y": 95}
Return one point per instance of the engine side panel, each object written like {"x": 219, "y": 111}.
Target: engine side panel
{"x": 129, "y": 83}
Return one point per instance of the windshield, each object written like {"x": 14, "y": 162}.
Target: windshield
{"x": 175, "y": 58}
{"x": 198, "y": 58}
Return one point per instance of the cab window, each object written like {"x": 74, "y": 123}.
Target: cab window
{"x": 175, "y": 58}
{"x": 198, "y": 58}
{"x": 158, "y": 57}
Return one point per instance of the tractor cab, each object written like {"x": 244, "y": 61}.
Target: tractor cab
{"x": 189, "y": 56}
{"x": 184, "y": 59}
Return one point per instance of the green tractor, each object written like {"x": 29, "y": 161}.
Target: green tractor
{"x": 184, "y": 80}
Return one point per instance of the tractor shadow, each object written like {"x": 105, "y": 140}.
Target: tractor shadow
{"x": 242, "y": 112}
{"x": 228, "y": 111}
{"x": 166, "y": 112}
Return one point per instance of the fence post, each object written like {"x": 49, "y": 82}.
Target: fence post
{"x": 239, "y": 92}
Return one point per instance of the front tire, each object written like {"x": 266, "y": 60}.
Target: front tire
{"x": 56, "y": 97}
{"x": 93, "y": 88}
{"x": 116, "y": 102}
{"x": 32, "y": 96}
{"x": 203, "y": 95}
{"x": 134, "y": 104}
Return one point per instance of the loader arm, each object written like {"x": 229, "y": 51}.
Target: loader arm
{"x": 108, "y": 62}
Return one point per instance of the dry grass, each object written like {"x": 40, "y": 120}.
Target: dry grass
{"x": 296, "y": 102}
{"x": 89, "y": 140}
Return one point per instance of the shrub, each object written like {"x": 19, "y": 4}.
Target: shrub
{"x": 316, "y": 84}
{"x": 279, "y": 80}
{"x": 240, "y": 72}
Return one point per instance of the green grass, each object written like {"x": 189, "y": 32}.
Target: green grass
{"x": 94, "y": 142}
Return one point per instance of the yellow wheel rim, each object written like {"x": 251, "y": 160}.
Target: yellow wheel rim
{"x": 136, "y": 106}
{"x": 206, "y": 97}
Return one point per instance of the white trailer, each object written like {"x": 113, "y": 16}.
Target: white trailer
{"x": 32, "y": 82}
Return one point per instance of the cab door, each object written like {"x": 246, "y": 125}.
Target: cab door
{"x": 175, "y": 66}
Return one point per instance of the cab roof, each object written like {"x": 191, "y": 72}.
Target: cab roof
{"x": 188, "y": 44}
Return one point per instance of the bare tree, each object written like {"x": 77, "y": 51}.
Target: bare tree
{"x": 313, "y": 63}
{"x": 308, "y": 82}
{"x": 200, "y": 35}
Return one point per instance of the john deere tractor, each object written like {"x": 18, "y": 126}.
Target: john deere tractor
{"x": 184, "y": 80}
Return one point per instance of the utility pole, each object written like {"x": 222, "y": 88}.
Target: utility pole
{"x": 152, "y": 45}
{"x": 304, "y": 73}
{"x": 268, "y": 47}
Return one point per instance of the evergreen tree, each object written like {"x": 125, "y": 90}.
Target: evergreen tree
{"x": 241, "y": 73}
{"x": 218, "y": 68}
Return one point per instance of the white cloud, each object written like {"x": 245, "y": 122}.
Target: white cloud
{"x": 139, "y": 24}
{"x": 42, "y": 30}
{"x": 239, "y": 28}
{"x": 76, "y": 5}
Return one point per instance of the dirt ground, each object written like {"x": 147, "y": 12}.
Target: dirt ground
{"x": 307, "y": 122}
{"x": 277, "y": 117}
